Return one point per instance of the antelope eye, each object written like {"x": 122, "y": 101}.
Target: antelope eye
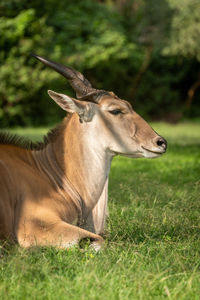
{"x": 115, "y": 112}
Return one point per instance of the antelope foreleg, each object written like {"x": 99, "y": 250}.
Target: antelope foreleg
{"x": 60, "y": 235}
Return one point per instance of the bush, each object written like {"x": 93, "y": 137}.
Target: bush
{"x": 119, "y": 47}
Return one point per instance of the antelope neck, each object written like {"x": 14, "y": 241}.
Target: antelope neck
{"x": 86, "y": 163}
{"x": 77, "y": 164}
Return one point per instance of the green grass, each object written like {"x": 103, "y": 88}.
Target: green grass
{"x": 153, "y": 235}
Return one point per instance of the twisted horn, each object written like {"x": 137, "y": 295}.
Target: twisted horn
{"x": 79, "y": 83}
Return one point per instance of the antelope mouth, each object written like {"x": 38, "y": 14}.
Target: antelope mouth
{"x": 155, "y": 152}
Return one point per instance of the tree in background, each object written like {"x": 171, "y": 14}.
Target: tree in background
{"x": 128, "y": 46}
{"x": 184, "y": 38}
{"x": 84, "y": 34}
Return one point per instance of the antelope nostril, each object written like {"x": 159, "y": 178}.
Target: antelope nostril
{"x": 161, "y": 142}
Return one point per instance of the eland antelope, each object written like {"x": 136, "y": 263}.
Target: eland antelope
{"x": 55, "y": 193}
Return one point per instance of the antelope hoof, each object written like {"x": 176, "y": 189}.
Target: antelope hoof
{"x": 97, "y": 245}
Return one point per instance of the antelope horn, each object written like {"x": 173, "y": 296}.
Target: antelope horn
{"x": 79, "y": 83}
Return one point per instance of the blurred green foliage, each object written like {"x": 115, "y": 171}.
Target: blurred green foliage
{"x": 146, "y": 51}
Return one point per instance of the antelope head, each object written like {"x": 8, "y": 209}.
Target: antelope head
{"x": 118, "y": 128}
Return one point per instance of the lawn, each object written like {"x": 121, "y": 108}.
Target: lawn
{"x": 153, "y": 234}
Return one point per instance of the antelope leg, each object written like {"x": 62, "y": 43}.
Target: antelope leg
{"x": 60, "y": 235}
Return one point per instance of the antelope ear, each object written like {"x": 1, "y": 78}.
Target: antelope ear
{"x": 85, "y": 110}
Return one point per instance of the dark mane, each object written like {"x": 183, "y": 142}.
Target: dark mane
{"x": 7, "y": 138}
